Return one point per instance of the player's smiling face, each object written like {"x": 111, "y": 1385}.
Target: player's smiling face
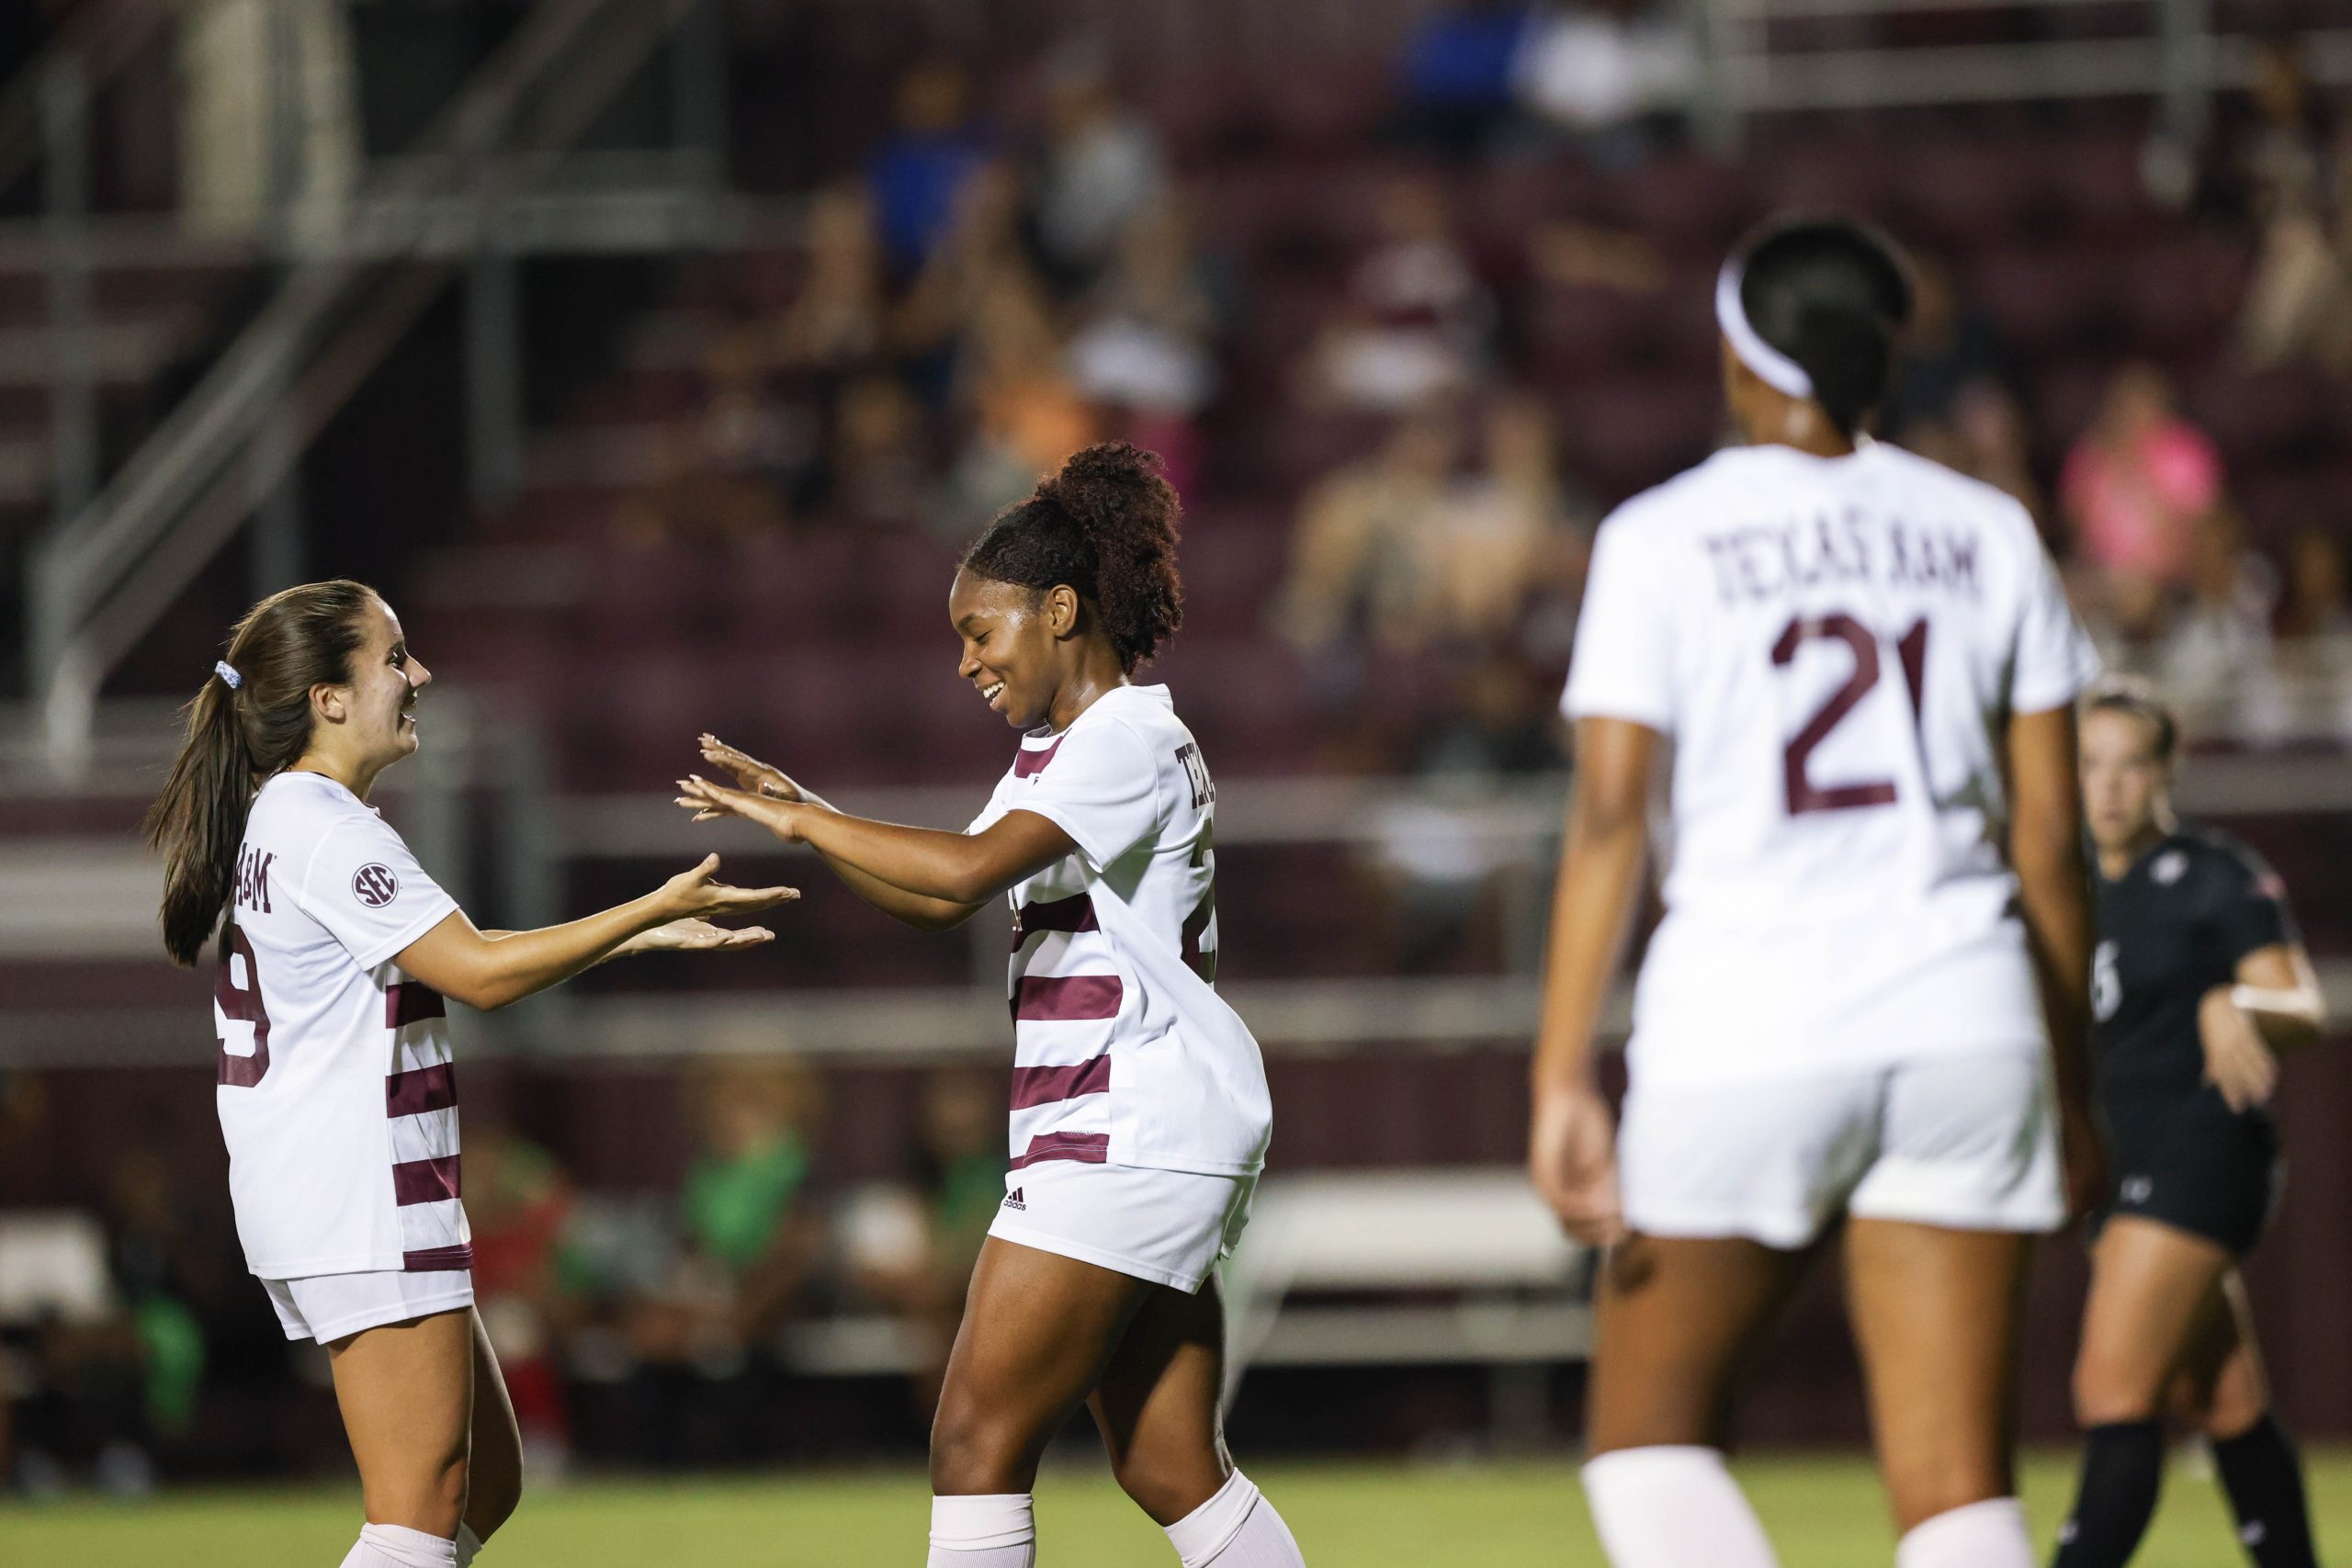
{"x": 1012, "y": 638}
{"x": 385, "y": 681}
{"x": 2124, "y": 782}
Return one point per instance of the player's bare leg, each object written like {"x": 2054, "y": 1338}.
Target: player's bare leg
{"x": 1936, "y": 1314}
{"x": 406, "y": 1391}
{"x": 1038, "y": 1330}
{"x": 2150, "y": 1284}
{"x": 1157, "y": 1406}
{"x": 1678, "y": 1321}
{"x": 494, "y": 1467}
{"x": 2222, "y": 1391}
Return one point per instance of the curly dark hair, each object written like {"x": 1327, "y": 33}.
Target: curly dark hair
{"x": 1105, "y": 525}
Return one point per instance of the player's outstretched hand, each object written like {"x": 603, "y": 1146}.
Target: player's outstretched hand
{"x": 709, "y": 800}
{"x": 748, "y": 772}
{"x": 2238, "y": 1060}
{"x": 695, "y": 936}
{"x": 699, "y": 894}
{"x": 1572, "y": 1160}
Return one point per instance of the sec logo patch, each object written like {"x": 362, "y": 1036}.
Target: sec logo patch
{"x": 374, "y": 886}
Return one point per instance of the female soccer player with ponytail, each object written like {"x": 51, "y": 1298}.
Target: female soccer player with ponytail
{"x": 1868, "y": 1000}
{"x": 1139, "y": 1108}
{"x": 337, "y": 1095}
{"x": 2200, "y": 980}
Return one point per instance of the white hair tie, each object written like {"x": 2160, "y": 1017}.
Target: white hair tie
{"x": 1776, "y": 369}
{"x": 227, "y": 673}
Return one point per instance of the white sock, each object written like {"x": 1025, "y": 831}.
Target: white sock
{"x": 1235, "y": 1528}
{"x": 1673, "y": 1506}
{"x": 468, "y": 1543}
{"x": 1990, "y": 1534}
{"x": 993, "y": 1531}
{"x": 397, "y": 1545}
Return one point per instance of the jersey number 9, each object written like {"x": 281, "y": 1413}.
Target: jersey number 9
{"x": 242, "y": 1004}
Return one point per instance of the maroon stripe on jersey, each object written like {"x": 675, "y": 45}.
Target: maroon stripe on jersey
{"x": 438, "y": 1259}
{"x": 1030, "y": 761}
{"x": 1040, "y": 999}
{"x": 1086, "y": 1148}
{"x": 424, "y": 1180}
{"x": 412, "y": 1002}
{"x": 422, "y": 1089}
{"x": 1043, "y": 1086}
{"x": 1075, "y": 913}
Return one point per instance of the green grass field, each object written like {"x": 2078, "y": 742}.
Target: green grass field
{"x": 1823, "y": 1512}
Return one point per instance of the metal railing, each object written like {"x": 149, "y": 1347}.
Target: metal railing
{"x": 476, "y": 182}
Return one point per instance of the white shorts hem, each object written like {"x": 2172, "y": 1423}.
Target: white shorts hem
{"x": 1045, "y": 1241}
{"x": 1695, "y": 1223}
{"x": 402, "y": 1312}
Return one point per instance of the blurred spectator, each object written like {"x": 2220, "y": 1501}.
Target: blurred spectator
{"x": 725, "y": 470}
{"x": 1145, "y": 347}
{"x": 1984, "y": 433}
{"x": 878, "y": 469}
{"x": 910, "y": 1249}
{"x": 1505, "y": 530}
{"x": 1415, "y": 321}
{"x": 1457, "y": 80}
{"x": 747, "y": 1232}
{"x": 1434, "y": 865}
{"x": 2315, "y": 604}
{"x": 1585, "y": 255}
{"x": 1598, "y": 68}
{"x": 2221, "y": 634}
{"x": 917, "y": 173}
{"x": 835, "y": 322}
{"x": 2135, "y": 488}
{"x": 1952, "y": 348}
{"x": 1358, "y": 556}
{"x": 518, "y": 1201}
{"x": 1099, "y": 168}
{"x": 1027, "y": 414}
{"x": 2299, "y": 300}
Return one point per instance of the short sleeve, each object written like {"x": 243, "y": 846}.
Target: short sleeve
{"x": 1101, "y": 785}
{"x": 1621, "y": 664}
{"x": 365, "y": 887}
{"x": 2056, "y": 661}
{"x": 2253, "y": 912}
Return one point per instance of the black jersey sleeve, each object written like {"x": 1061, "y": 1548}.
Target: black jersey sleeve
{"x": 2250, "y": 911}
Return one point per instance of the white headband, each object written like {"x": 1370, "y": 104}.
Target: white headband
{"x": 1776, "y": 369}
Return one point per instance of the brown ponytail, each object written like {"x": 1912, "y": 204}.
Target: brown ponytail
{"x": 238, "y": 736}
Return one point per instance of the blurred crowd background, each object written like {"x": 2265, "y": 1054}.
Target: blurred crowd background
{"x": 669, "y": 412}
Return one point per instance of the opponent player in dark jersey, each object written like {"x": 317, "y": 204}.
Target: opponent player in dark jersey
{"x": 2199, "y": 980}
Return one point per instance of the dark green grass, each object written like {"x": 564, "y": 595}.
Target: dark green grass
{"x": 1824, "y": 1512}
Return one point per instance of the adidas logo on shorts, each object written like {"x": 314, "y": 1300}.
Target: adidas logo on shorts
{"x": 1012, "y": 1200}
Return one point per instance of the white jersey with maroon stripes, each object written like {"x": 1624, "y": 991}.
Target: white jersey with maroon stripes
{"x": 1834, "y": 647}
{"x": 1122, "y": 1051}
{"x": 336, "y": 1094}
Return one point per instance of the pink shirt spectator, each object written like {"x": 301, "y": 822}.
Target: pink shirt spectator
{"x": 2136, "y": 507}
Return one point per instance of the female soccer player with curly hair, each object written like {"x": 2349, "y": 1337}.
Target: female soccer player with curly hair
{"x": 336, "y": 1093}
{"x": 1139, "y": 1108}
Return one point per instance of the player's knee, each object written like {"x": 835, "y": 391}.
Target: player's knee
{"x": 975, "y": 1449}
{"x": 2106, "y": 1393}
{"x": 1167, "y": 1487}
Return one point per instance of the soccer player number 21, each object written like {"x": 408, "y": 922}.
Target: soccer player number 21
{"x": 1802, "y": 793}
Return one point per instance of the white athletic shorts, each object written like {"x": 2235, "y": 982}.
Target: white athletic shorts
{"x": 1968, "y": 1142}
{"x": 328, "y": 1307}
{"x": 1168, "y": 1226}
